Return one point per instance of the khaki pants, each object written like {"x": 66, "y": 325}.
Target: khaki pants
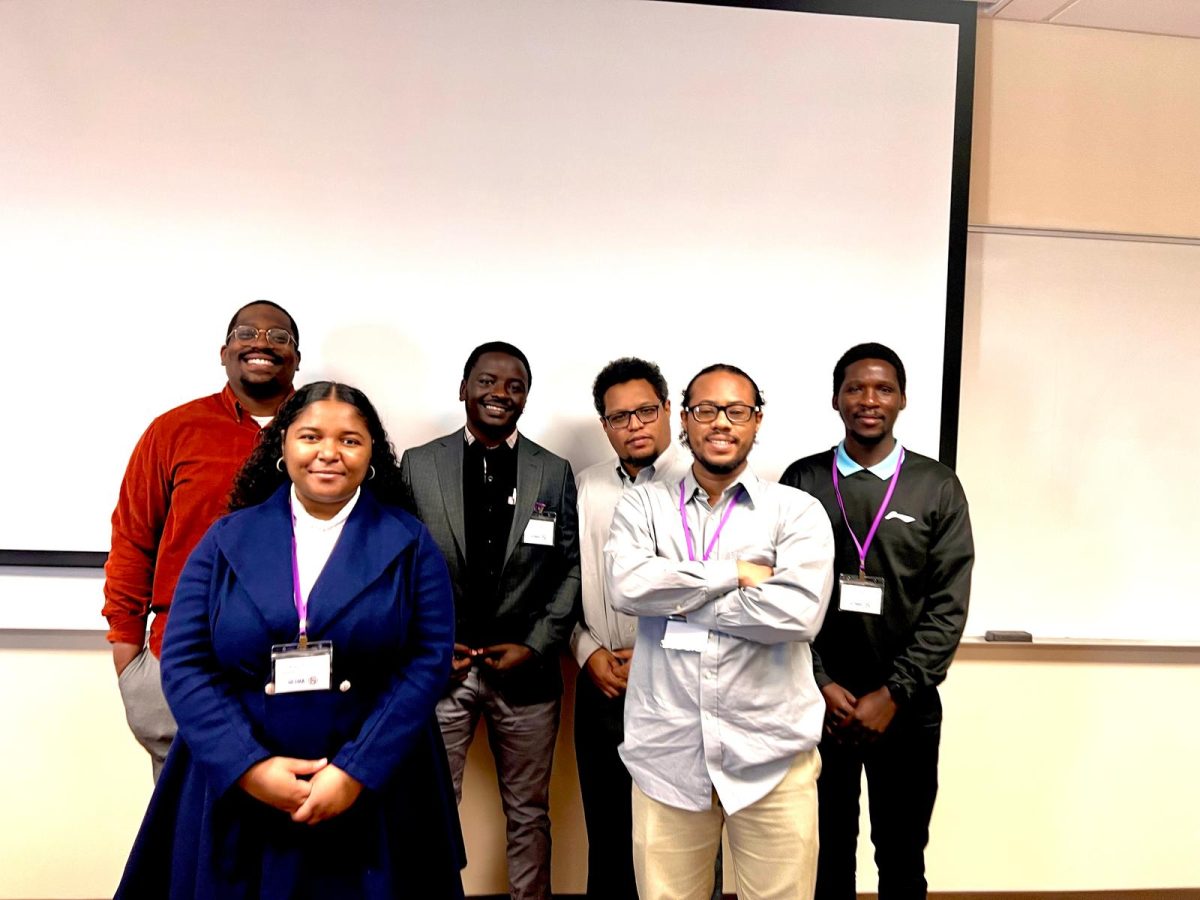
{"x": 146, "y": 708}
{"x": 773, "y": 843}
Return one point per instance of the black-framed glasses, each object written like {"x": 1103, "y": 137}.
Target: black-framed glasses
{"x": 736, "y": 413}
{"x": 247, "y": 334}
{"x": 645, "y": 415}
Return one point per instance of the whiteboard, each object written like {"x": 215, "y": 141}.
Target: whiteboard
{"x": 1078, "y": 436}
{"x": 585, "y": 178}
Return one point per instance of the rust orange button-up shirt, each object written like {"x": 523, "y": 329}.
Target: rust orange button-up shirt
{"x": 176, "y": 485}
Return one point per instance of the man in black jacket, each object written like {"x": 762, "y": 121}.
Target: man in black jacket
{"x": 904, "y": 557}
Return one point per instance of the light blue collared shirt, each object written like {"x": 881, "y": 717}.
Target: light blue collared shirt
{"x": 733, "y": 717}
{"x": 883, "y": 470}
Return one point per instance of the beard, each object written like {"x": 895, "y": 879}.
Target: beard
{"x": 713, "y": 468}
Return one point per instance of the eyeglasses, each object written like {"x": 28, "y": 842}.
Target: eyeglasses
{"x": 247, "y": 334}
{"x": 736, "y": 413}
{"x": 645, "y": 415}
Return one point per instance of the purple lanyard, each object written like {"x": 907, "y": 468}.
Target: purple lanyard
{"x": 863, "y": 547}
{"x": 301, "y": 602}
{"x": 687, "y": 532}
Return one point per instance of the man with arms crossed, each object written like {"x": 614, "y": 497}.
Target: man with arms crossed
{"x": 730, "y": 576}
{"x": 904, "y": 556}
{"x": 176, "y": 485}
{"x": 502, "y": 510}
{"x": 631, "y": 398}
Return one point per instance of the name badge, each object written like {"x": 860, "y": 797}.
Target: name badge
{"x": 295, "y": 668}
{"x": 540, "y": 529}
{"x": 684, "y": 635}
{"x": 861, "y": 594}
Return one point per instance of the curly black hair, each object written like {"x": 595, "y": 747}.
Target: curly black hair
{"x": 260, "y": 476}
{"x": 627, "y": 368}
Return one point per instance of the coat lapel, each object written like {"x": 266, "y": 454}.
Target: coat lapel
{"x": 529, "y": 482}
{"x": 258, "y": 546}
{"x": 370, "y": 541}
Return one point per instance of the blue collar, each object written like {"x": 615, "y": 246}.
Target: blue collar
{"x": 883, "y": 470}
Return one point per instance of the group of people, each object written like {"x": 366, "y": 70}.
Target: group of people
{"x": 307, "y": 632}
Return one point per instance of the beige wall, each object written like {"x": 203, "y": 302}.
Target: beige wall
{"x": 1060, "y": 769}
{"x": 1078, "y": 128}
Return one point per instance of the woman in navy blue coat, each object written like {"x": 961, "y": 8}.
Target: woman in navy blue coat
{"x": 310, "y": 638}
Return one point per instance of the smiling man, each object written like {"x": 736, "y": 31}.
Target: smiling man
{"x": 729, "y": 577}
{"x": 502, "y": 511}
{"x": 904, "y": 557}
{"x": 176, "y": 485}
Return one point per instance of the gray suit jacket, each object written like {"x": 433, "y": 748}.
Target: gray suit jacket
{"x": 539, "y": 585}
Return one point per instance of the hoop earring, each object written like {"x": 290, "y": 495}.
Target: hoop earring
{"x": 279, "y": 464}
{"x": 370, "y": 472}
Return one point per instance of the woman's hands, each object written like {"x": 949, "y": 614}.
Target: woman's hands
{"x": 309, "y": 790}
{"x": 333, "y": 792}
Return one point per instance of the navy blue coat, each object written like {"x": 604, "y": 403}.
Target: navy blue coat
{"x": 384, "y": 600}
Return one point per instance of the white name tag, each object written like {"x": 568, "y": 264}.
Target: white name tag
{"x": 540, "y": 530}
{"x": 861, "y": 595}
{"x": 683, "y": 635}
{"x": 302, "y": 669}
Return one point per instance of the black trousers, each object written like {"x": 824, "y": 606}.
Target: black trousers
{"x": 606, "y": 788}
{"x": 901, "y": 787}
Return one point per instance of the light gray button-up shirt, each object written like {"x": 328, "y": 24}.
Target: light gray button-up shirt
{"x": 600, "y": 487}
{"x": 733, "y": 717}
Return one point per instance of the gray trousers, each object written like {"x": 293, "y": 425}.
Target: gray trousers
{"x": 146, "y": 708}
{"x": 522, "y": 740}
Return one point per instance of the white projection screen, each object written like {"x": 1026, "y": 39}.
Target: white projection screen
{"x": 763, "y": 184}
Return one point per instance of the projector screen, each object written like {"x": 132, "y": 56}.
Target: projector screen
{"x": 692, "y": 183}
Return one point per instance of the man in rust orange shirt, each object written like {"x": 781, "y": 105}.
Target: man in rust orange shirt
{"x": 176, "y": 485}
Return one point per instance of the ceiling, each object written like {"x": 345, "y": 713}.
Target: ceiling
{"x": 1180, "y": 18}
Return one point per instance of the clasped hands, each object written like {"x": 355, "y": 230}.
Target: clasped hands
{"x": 309, "y": 790}
{"x": 498, "y": 657}
{"x": 851, "y": 719}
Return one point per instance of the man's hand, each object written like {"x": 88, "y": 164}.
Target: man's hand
{"x": 839, "y": 709}
{"x": 503, "y": 657}
{"x": 609, "y": 671}
{"x": 752, "y": 574}
{"x": 332, "y": 793}
{"x": 460, "y": 665}
{"x": 275, "y": 781}
{"x": 874, "y": 713}
{"x": 123, "y": 655}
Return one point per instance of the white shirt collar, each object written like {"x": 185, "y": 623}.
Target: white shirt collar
{"x": 883, "y": 470}
{"x": 311, "y": 523}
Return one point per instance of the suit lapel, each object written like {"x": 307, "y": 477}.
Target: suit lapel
{"x": 529, "y": 483}
{"x": 450, "y": 484}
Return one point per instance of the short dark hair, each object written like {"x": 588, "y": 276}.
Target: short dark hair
{"x": 759, "y": 400}
{"x": 260, "y": 475}
{"x": 627, "y": 368}
{"x": 498, "y": 347}
{"x": 291, "y": 322}
{"x": 870, "y": 350}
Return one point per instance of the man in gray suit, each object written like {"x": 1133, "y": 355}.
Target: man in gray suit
{"x": 502, "y": 510}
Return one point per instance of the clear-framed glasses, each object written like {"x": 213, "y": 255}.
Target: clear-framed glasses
{"x": 247, "y": 334}
{"x": 736, "y": 413}
{"x": 645, "y": 415}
